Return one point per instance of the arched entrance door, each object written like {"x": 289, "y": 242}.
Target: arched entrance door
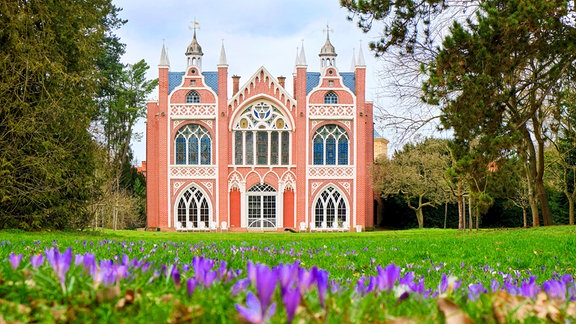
{"x": 262, "y": 207}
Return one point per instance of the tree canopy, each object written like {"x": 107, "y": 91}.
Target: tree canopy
{"x": 48, "y": 82}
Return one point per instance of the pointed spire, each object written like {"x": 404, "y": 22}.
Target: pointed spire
{"x": 353, "y": 65}
{"x": 164, "y": 61}
{"x": 194, "y": 48}
{"x": 302, "y": 57}
{"x": 327, "y": 52}
{"x": 360, "y": 57}
{"x": 222, "y": 61}
{"x": 194, "y": 51}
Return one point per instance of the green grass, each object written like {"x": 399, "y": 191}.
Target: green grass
{"x": 473, "y": 257}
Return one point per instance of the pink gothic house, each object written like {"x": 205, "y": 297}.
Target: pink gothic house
{"x": 260, "y": 158}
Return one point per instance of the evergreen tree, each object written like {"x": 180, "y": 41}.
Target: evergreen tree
{"x": 48, "y": 82}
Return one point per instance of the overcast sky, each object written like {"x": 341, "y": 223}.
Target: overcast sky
{"x": 254, "y": 32}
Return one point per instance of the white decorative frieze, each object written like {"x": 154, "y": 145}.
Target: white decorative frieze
{"x": 193, "y": 111}
{"x": 331, "y": 111}
{"x": 196, "y": 172}
{"x": 331, "y": 172}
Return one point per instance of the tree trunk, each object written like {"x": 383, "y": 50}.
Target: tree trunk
{"x": 470, "y": 224}
{"x": 532, "y": 200}
{"x": 445, "y": 213}
{"x": 539, "y": 182}
{"x": 420, "y": 217}
{"x": 543, "y": 198}
{"x": 460, "y": 207}
{"x": 463, "y": 213}
{"x": 570, "y": 210}
{"x": 525, "y": 217}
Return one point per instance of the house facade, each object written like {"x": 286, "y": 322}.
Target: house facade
{"x": 260, "y": 158}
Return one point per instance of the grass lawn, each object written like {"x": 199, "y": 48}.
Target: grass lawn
{"x": 429, "y": 275}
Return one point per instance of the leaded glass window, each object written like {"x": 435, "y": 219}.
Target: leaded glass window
{"x": 192, "y": 97}
{"x": 331, "y": 98}
{"x": 330, "y": 207}
{"x": 261, "y": 136}
{"x": 193, "y": 145}
{"x": 193, "y": 207}
{"x": 330, "y": 145}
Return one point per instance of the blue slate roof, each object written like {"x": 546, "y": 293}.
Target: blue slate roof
{"x": 175, "y": 79}
{"x": 211, "y": 79}
{"x": 313, "y": 79}
{"x": 349, "y": 79}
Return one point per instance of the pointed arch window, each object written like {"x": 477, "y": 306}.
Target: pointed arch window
{"x": 193, "y": 209}
{"x": 330, "y": 207}
{"x": 192, "y": 97}
{"x": 330, "y": 145}
{"x": 193, "y": 145}
{"x": 331, "y": 98}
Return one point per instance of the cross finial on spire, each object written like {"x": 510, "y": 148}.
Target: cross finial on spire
{"x": 327, "y": 31}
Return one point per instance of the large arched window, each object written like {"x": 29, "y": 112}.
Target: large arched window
{"x": 330, "y": 144}
{"x": 331, "y": 98}
{"x": 261, "y": 136}
{"x": 192, "y": 97}
{"x": 193, "y": 145}
{"x": 330, "y": 206}
{"x": 193, "y": 208}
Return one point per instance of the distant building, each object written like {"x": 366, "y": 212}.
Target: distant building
{"x": 260, "y": 158}
{"x": 142, "y": 168}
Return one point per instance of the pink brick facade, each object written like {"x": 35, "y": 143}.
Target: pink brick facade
{"x": 259, "y": 158}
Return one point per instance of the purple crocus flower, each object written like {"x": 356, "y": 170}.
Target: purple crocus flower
{"x": 387, "y": 277}
{"x": 60, "y": 263}
{"x": 15, "y": 260}
{"x": 175, "y": 274}
{"x": 291, "y": 299}
{"x": 287, "y": 275}
{"x": 555, "y": 289}
{"x": 240, "y": 285}
{"x": 529, "y": 288}
{"x": 322, "y": 284}
{"x": 494, "y": 285}
{"x": 190, "y": 285}
{"x": 306, "y": 278}
{"x": 36, "y": 260}
{"x": 474, "y": 290}
{"x": 266, "y": 280}
{"x": 254, "y": 312}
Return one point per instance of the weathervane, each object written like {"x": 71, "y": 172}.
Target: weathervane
{"x": 194, "y": 25}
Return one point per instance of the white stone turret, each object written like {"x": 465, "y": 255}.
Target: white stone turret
{"x": 194, "y": 53}
{"x": 327, "y": 52}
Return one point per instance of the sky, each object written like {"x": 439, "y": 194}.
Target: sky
{"x": 255, "y": 33}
